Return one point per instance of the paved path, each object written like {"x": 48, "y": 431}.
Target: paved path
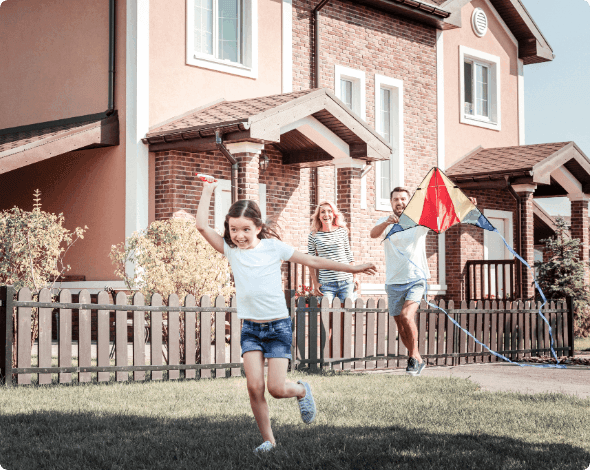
{"x": 575, "y": 380}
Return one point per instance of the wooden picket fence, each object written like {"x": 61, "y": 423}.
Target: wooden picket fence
{"x": 359, "y": 336}
{"x": 364, "y": 337}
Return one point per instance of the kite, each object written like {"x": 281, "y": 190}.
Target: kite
{"x": 438, "y": 204}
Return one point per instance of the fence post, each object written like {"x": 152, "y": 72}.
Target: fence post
{"x": 570, "y": 326}
{"x": 7, "y": 300}
{"x": 290, "y": 298}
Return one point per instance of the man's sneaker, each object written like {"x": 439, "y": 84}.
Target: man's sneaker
{"x": 414, "y": 368}
{"x": 264, "y": 447}
{"x": 307, "y": 404}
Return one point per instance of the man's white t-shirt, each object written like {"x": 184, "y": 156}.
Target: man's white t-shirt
{"x": 257, "y": 274}
{"x": 412, "y": 243}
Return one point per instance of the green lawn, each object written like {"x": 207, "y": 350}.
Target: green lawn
{"x": 364, "y": 422}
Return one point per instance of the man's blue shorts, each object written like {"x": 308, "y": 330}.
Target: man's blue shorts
{"x": 397, "y": 294}
{"x": 273, "y": 338}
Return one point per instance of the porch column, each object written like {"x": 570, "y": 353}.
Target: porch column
{"x": 527, "y": 239}
{"x": 247, "y": 155}
{"x": 579, "y": 227}
{"x": 348, "y": 181}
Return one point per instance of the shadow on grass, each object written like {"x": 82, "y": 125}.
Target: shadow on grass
{"x": 95, "y": 441}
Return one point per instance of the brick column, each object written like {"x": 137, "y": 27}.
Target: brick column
{"x": 579, "y": 226}
{"x": 247, "y": 155}
{"x": 527, "y": 240}
{"x": 348, "y": 182}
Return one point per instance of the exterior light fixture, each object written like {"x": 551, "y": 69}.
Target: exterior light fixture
{"x": 263, "y": 162}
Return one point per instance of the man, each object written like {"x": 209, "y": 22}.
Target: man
{"x": 405, "y": 281}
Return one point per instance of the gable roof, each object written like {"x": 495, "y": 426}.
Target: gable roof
{"x": 276, "y": 119}
{"x": 523, "y": 164}
{"x": 532, "y": 45}
{"x": 25, "y": 145}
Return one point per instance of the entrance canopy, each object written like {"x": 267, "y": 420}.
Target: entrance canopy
{"x": 25, "y": 145}
{"x": 310, "y": 128}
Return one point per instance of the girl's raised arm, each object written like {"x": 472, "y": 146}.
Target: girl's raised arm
{"x": 317, "y": 262}
{"x": 214, "y": 239}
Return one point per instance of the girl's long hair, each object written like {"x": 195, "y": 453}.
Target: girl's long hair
{"x": 316, "y": 223}
{"x": 249, "y": 209}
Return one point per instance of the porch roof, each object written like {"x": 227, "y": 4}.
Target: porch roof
{"x": 556, "y": 169}
{"x": 25, "y": 145}
{"x": 310, "y": 128}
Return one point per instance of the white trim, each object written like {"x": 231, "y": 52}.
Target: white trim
{"x": 493, "y": 62}
{"x": 287, "y": 46}
{"x": 219, "y": 216}
{"x": 378, "y": 290}
{"x": 524, "y": 188}
{"x": 578, "y": 197}
{"x": 137, "y": 118}
{"x": 502, "y": 23}
{"x": 440, "y": 99}
{"x": 358, "y": 88}
{"x": 521, "y": 115}
{"x": 474, "y": 24}
{"x": 396, "y": 167}
{"x": 364, "y": 188}
{"x": 93, "y": 287}
{"x": 509, "y": 228}
{"x": 245, "y": 147}
{"x": 262, "y": 199}
{"x": 250, "y": 48}
{"x": 323, "y": 137}
{"x": 567, "y": 181}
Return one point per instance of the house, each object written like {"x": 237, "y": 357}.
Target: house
{"x": 114, "y": 105}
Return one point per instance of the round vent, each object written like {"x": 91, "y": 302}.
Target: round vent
{"x": 479, "y": 21}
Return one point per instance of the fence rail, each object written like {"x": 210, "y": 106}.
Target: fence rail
{"x": 203, "y": 341}
{"x": 491, "y": 280}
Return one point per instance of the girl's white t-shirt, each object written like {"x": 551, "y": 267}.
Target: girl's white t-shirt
{"x": 257, "y": 274}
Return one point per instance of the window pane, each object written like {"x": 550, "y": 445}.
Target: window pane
{"x": 482, "y": 90}
{"x": 385, "y": 124}
{"x": 204, "y": 26}
{"x": 229, "y": 32}
{"x": 468, "y": 73}
{"x": 346, "y": 92}
{"x": 384, "y": 179}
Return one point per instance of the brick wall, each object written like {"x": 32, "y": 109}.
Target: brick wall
{"x": 579, "y": 229}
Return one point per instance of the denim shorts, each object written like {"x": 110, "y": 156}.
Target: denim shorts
{"x": 273, "y": 338}
{"x": 397, "y": 294}
{"x": 340, "y": 289}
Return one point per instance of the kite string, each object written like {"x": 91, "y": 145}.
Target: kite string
{"x": 558, "y": 365}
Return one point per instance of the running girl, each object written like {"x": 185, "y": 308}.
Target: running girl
{"x": 256, "y": 253}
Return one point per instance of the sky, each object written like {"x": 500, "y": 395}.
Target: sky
{"x": 557, "y": 93}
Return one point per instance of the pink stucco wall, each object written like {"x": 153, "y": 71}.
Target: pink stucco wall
{"x": 461, "y": 138}
{"x": 87, "y": 186}
{"x": 54, "y": 58}
{"x": 176, "y": 87}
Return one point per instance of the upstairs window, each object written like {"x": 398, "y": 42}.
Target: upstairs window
{"x": 349, "y": 86}
{"x": 346, "y": 92}
{"x": 480, "y": 88}
{"x": 222, "y": 35}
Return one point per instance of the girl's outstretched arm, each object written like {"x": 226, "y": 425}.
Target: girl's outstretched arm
{"x": 317, "y": 262}
{"x": 214, "y": 239}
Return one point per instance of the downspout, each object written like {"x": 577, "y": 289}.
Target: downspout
{"x": 316, "y": 40}
{"x": 234, "y": 164}
{"x": 111, "y": 97}
{"x": 518, "y": 230}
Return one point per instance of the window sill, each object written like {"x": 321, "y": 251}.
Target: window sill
{"x": 225, "y": 66}
{"x": 383, "y": 206}
{"x": 478, "y": 122}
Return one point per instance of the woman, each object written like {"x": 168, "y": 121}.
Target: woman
{"x": 329, "y": 239}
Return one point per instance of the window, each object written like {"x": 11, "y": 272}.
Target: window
{"x": 222, "y": 202}
{"x": 480, "y": 88}
{"x": 349, "y": 86}
{"x": 389, "y": 124}
{"x": 222, "y": 35}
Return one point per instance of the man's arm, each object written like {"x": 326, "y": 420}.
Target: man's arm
{"x": 378, "y": 229}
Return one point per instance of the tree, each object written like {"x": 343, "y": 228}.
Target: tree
{"x": 561, "y": 275}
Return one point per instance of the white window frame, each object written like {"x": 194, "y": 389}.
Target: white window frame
{"x": 220, "y": 212}
{"x": 396, "y": 131}
{"x": 249, "y": 47}
{"x": 357, "y": 77}
{"x": 493, "y": 64}
{"x": 509, "y": 229}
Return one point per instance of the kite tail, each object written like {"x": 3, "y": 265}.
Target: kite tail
{"x": 540, "y": 292}
{"x": 558, "y": 365}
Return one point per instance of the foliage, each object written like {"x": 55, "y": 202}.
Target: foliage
{"x": 303, "y": 291}
{"x": 562, "y": 275}
{"x": 33, "y": 245}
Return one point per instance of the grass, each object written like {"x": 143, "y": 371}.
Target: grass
{"x": 367, "y": 421}
{"x": 582, "y": 344}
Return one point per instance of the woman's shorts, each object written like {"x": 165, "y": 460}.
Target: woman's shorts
{"x": 397, "y": 294}
{"x": 340, "y": 289}
{"x": 273, "y": 338}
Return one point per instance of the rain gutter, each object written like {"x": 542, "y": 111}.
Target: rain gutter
{"x": 234, "y": 164}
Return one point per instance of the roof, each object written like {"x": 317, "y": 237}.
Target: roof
{"x": 25, "y": 145}
{"x": 303, "y": 125}
{"x": 524, "y": 164}
{"x": 422, "y": 11}
{"x": 532, "y": 45}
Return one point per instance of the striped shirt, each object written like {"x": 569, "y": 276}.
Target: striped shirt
{"x": 334, "y": 246}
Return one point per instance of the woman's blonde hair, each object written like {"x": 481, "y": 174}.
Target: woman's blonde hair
{"x": 316, "y": 223}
